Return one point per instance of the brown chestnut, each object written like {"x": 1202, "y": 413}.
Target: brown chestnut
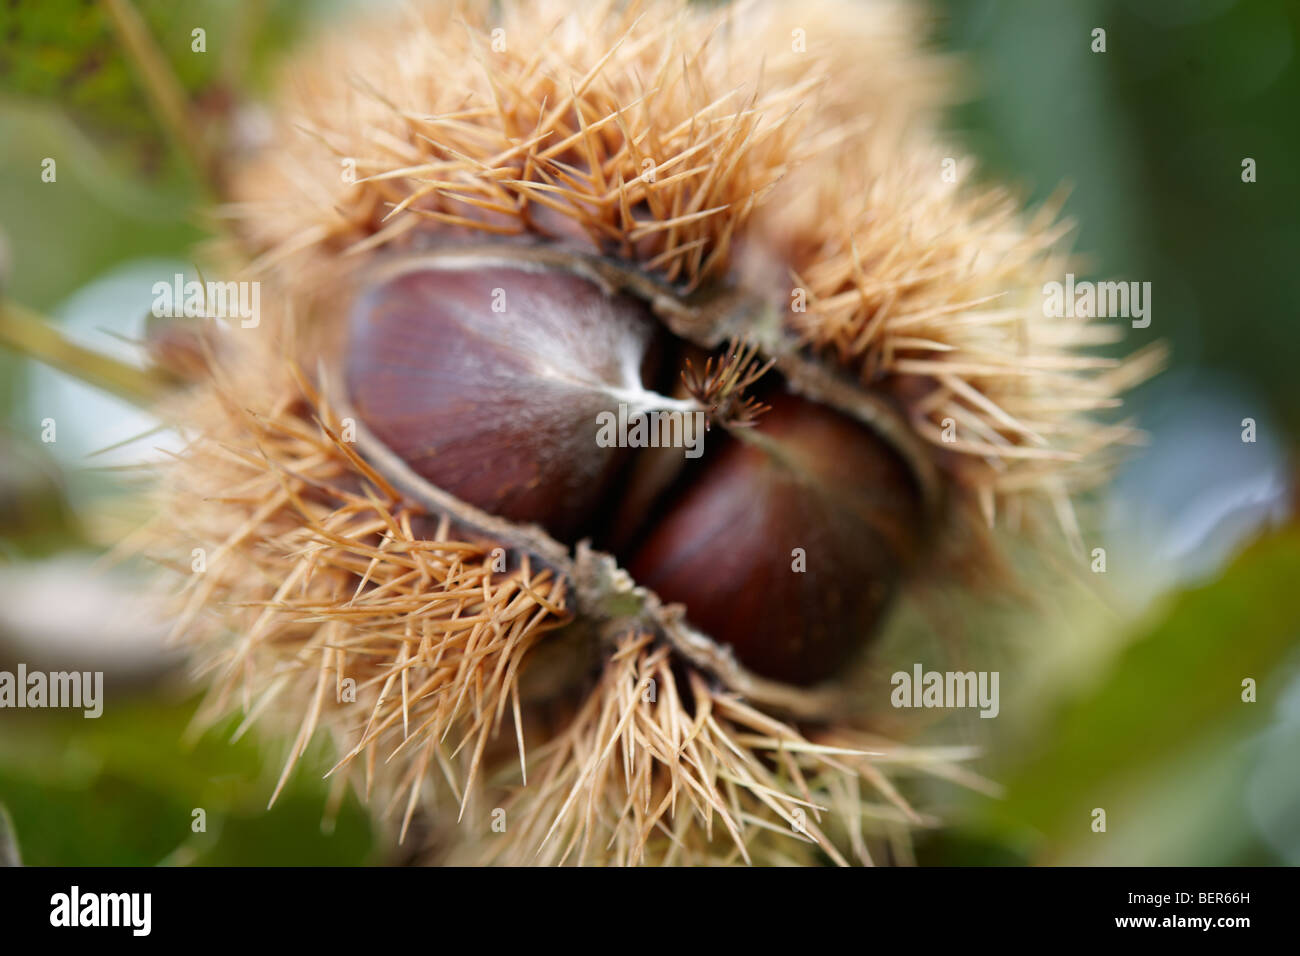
{"x": 487, "y": 379}
{"x": 789, "y": 542}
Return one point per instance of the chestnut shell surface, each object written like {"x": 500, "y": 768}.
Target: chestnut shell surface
{"x": 488, "y": 381}
{"x": 789, "y": 544}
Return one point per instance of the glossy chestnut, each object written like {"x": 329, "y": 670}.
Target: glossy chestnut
{"x": 488, "y": 380}
{"x": 790, "y": 542}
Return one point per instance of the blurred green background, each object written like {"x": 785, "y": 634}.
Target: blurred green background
{"x": 1127, "y": 688}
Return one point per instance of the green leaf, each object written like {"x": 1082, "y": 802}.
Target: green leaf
{"x": 123, "y": 790}
{"x": 1163, "y": 742}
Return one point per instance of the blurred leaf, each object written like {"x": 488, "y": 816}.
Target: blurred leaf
{"x": 69, "y": 93}
{"x": 35, "y": 518}
{"x": 67, "y": 53}
{"x": 122, "y": 790}
{"x": 9, "y": 855}
{"x": 1151, "y": 135}
{"x": 1158, "y": 741}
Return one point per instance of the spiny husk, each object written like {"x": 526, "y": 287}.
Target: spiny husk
{"x": 319, "y": 571}
{"x": 638, "y": 775}
{"x": 809, "y": 174}
{"x": 315, "y": 573}
{"x": 775, "y": 171}
{"x": 543, "y": 121}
